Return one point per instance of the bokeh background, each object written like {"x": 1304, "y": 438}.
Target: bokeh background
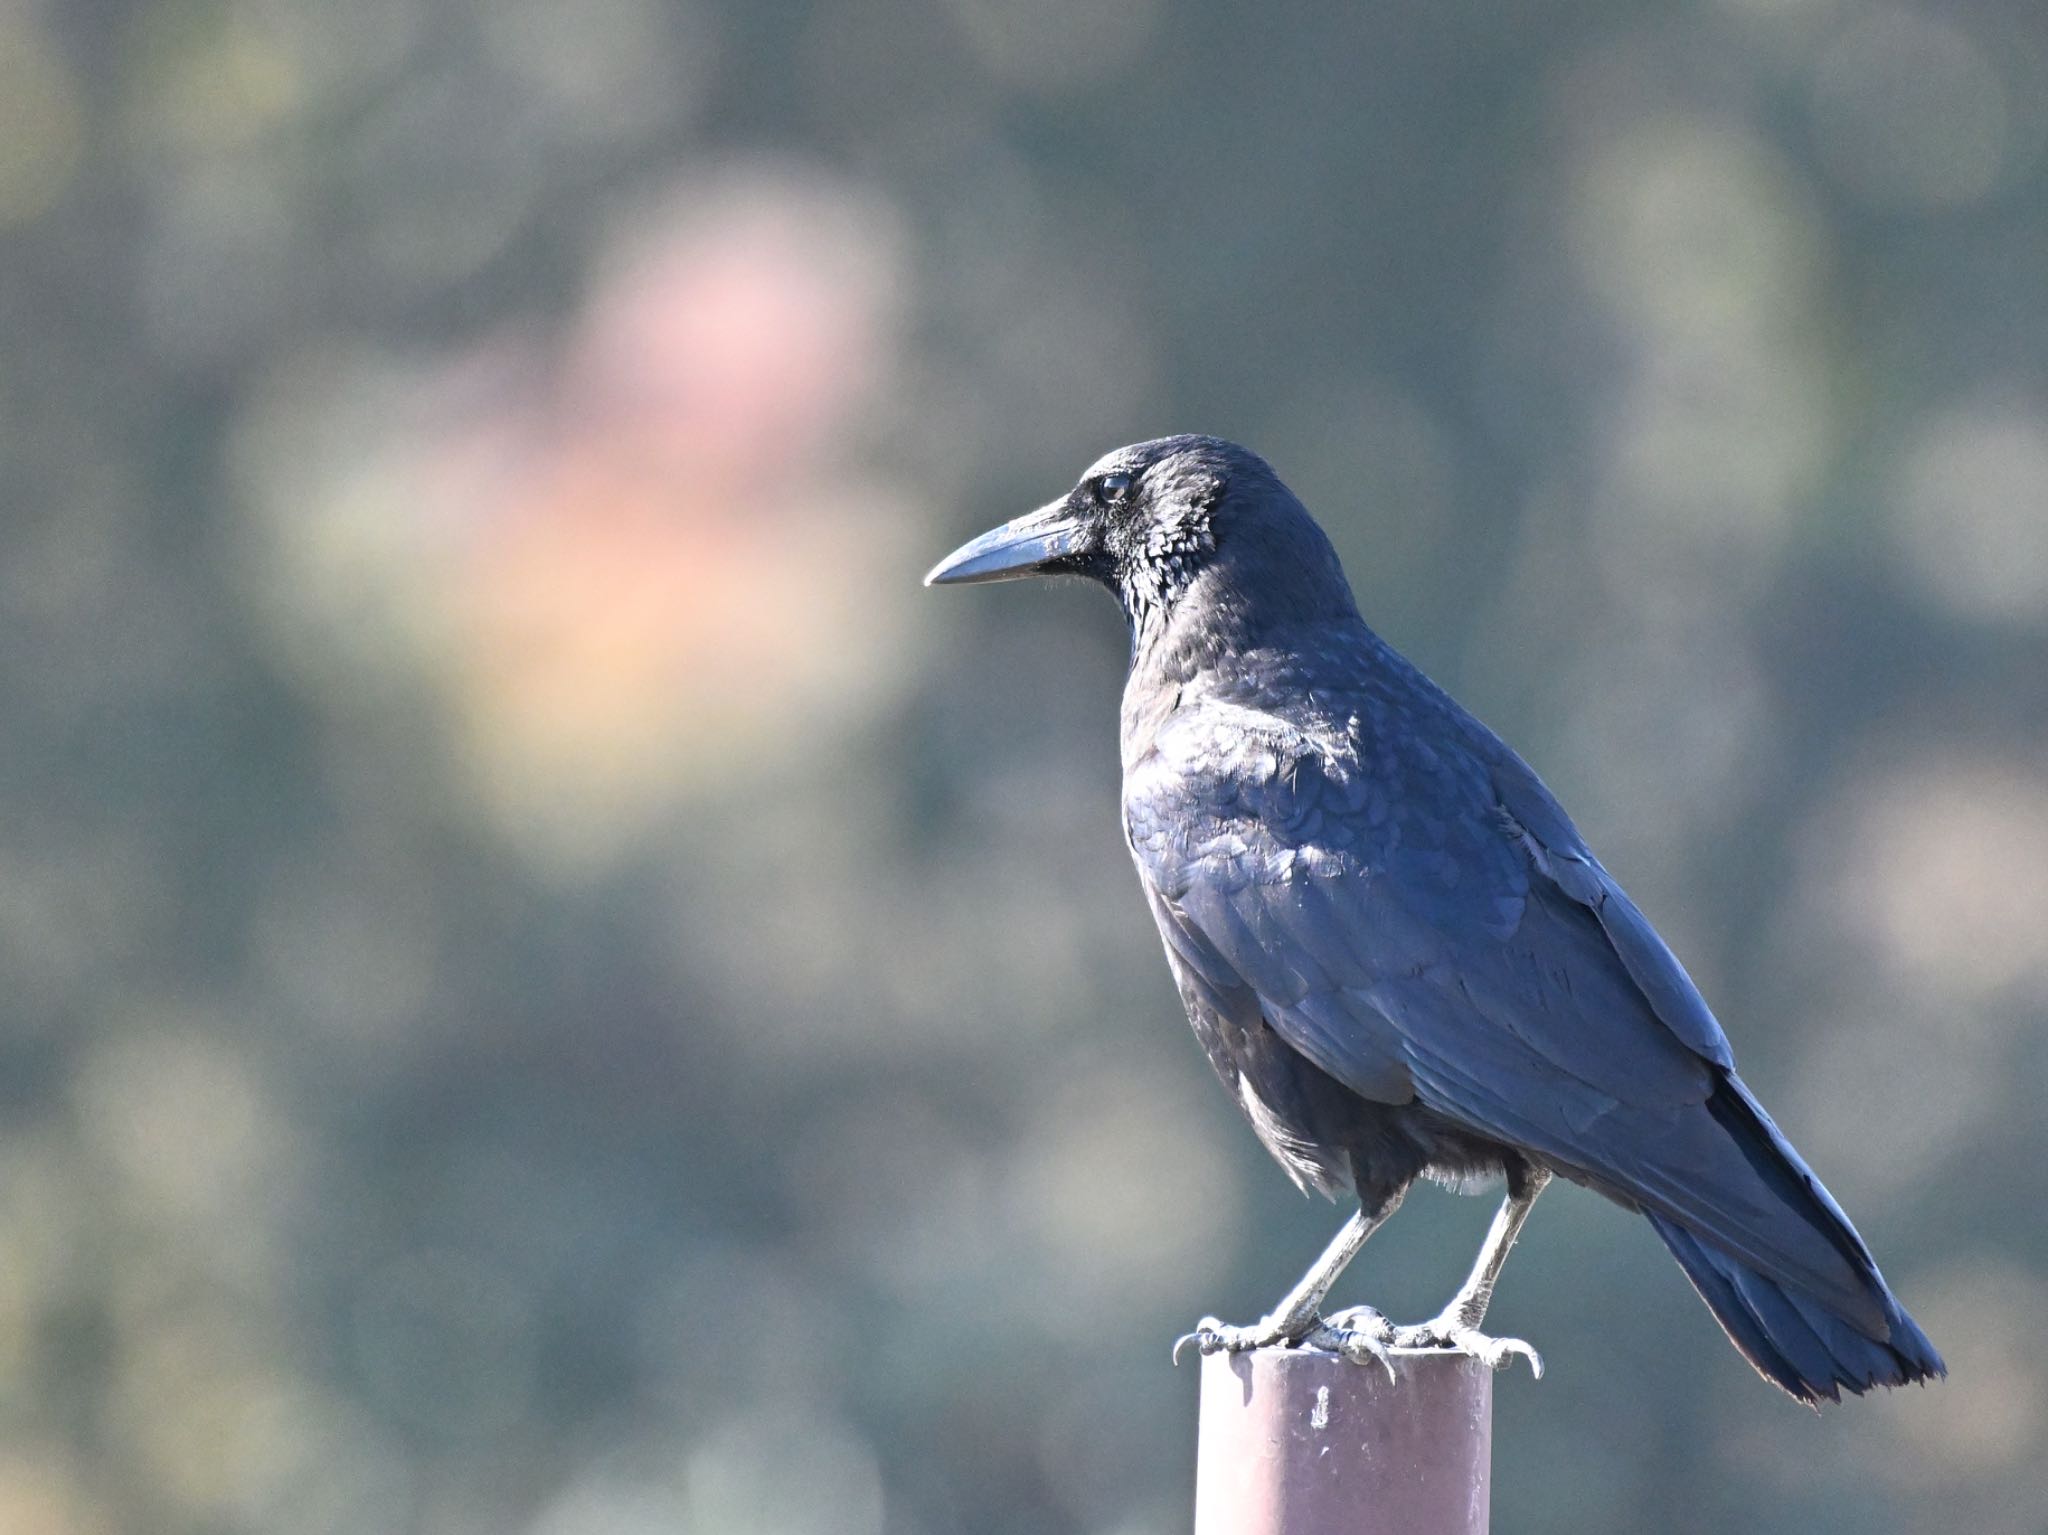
{"x": 549, "y": 989}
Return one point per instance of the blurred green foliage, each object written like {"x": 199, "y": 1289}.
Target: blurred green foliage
{"x": 550, "y": 988}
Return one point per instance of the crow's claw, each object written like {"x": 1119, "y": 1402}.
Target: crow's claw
{"x": 1360, "y": 1334}
{"x": 1446, "y": 1333}
{"x": 1213, "y": 1337}
{"x": 1494, "y": 1353}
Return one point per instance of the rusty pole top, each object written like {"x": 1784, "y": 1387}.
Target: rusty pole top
{"x": 1295, "y": 1442}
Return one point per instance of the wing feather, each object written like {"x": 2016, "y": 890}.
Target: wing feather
{"x": 1478, "y": 959}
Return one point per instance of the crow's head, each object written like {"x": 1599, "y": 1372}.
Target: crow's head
{"x": 1159, "y": 520}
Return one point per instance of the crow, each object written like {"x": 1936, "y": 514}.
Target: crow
{"x": 1399, "y": 954}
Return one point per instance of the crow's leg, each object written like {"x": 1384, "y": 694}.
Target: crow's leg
{"x": 1457, "y": 1325}
{"x": 1295, "y": 1319}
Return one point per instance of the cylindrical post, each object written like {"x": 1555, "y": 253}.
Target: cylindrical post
{"x": 1295, "y": 1442}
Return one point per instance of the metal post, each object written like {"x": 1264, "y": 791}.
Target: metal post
{"x": 1295, "y": 1442}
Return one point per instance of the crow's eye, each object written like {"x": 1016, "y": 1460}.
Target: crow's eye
{"x": 1112, "y": 488}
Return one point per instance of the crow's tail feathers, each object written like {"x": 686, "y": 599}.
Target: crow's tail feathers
{"x": 1810, "y": 1346}
{"x": 1794, "y": 1341}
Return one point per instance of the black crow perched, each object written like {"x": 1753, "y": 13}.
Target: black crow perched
{"x": 1398, "y": 952}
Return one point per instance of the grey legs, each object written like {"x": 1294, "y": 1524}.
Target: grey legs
{"x": 1457, "y": 1325}
{"x": 1295, "y": 1319}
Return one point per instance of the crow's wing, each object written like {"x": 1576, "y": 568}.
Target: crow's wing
{"x": 1423, "y": 921}
{"x": 1561, "y": 856}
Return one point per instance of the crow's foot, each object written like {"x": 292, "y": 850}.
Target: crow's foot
{"x": 1448, "y": 1332}
{"x": 1213, "y": 1337}
{"x": 1365, "y": 1336}
{"x": 1359, "y": 1334}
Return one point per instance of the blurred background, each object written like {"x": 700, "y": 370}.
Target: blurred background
{"x": 550, "y": 989}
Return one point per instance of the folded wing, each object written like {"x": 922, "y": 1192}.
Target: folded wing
{"x": 1449, "y": 938}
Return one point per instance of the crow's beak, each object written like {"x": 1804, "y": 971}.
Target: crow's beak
{"x": 1019, "y": 548}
